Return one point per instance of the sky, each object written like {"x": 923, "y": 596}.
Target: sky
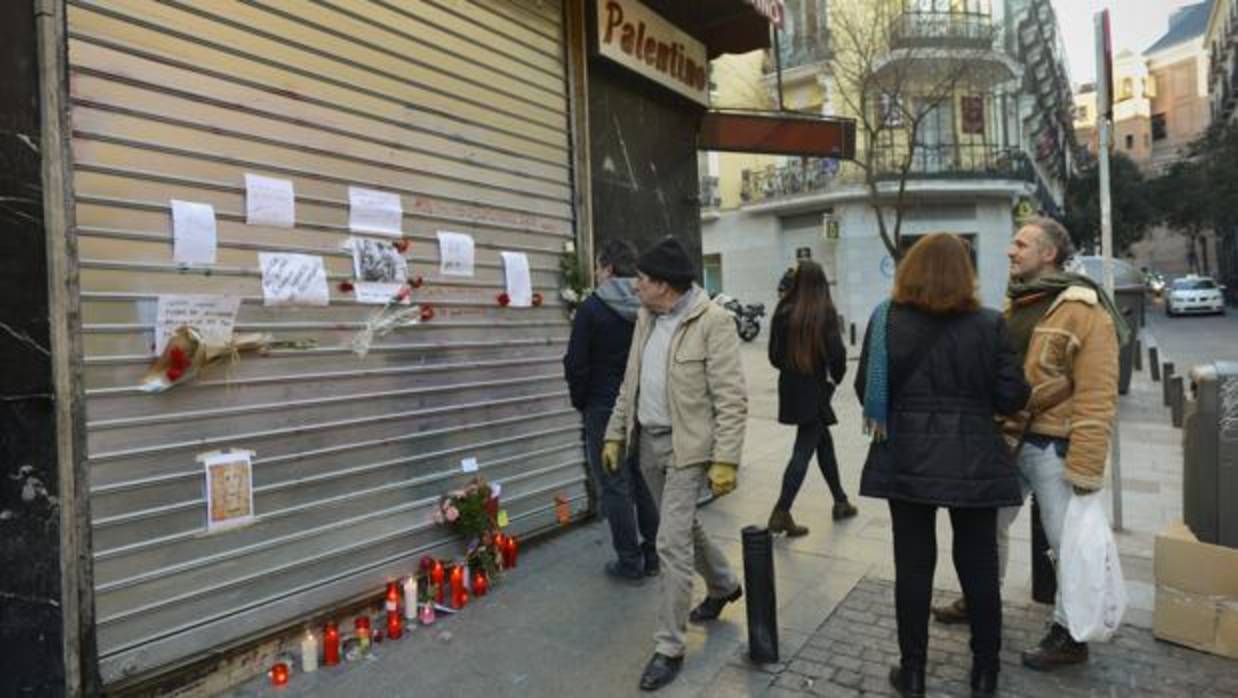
{"x": 1136, "y": 25}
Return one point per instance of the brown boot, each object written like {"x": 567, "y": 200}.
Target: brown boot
{"x": 952, "y": 613}
{"x": 780, "y": 521}
{"x": 1057, "y": 649}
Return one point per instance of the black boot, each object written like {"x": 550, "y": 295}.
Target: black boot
{"x": 711, "y": 607}
{"x": 660, "y": 671}
{"x": 780, "y": 521}
{"x": 907, "y": 682}
{"x": 983, "y": 683}
{"x": 1057, "y": 649}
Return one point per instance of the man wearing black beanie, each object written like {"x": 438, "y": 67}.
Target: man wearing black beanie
{"x": 683, "y": 404}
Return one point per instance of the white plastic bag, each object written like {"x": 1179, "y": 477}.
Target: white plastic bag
{"x": 1090, "y": 572}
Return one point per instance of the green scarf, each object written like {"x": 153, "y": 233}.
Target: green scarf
{"x": 1059, "y": 281}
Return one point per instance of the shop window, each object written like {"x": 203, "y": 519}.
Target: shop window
{"x": 1128, "y": 89}
{"x": 1160, "y": 129}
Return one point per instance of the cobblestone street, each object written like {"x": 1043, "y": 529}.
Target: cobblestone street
{"x": 852, "y": 652}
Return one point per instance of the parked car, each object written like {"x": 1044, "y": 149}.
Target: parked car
{"x": 1194, "y": 294}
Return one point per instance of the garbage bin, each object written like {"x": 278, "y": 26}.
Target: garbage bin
{"x": 1129, "y": 295}
{"x": 1210, "y": 453}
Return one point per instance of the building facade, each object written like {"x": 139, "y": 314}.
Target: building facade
{"x": 993, "y": 146}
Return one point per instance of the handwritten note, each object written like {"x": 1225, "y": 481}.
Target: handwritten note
{"x": 293, "y": 279}
{"x": 269, "y": 201}
{"x": 193, "y": 232}
{"x": 516, "y": 273}
{"x": 371, "y": 211}
{"x": 455, "y": 251}
{"x": 229, "y": 488}
{"x": 212, "y": 317}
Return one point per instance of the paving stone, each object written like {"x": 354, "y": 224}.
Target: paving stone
{"x": 1133, "y": 664}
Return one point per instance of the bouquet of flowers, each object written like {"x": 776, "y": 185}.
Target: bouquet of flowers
{"x": 473, "y": 512}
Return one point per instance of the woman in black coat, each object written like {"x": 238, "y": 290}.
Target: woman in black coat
{"x": 806, "y": 346}
{"x": 935, "y": 370}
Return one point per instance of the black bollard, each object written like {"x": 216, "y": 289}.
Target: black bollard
{"x": 1167, "y": 371}
{"x": 1138, "y": 355}
{"x": 1175, "y": 401}
{"x": 762, "y": 603}
{"x": 1044, "y": 578}
{"x": 1154, "y": 363}
{"x": 853, "y": 334}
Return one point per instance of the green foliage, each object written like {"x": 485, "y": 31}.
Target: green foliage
{"x": 1201, "y": 191}
{"x": 1133, "y": 212}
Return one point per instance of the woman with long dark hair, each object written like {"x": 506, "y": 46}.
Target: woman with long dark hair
{"x": 806, "y": 346}
{"x": 935, "y": 370}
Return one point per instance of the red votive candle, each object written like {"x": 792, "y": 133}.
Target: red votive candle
{"x": 331, "y": 645}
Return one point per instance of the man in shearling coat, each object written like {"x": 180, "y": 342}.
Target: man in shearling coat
{"x": 1067, "y": 332}
{"x": 683, "y": 404}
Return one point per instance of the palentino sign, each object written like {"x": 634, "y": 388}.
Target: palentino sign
{"x": 641, "y": 40}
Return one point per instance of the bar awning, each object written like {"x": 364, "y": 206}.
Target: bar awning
{"x": 777, "y": 133}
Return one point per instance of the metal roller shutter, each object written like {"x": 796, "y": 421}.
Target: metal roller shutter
{"x": 458, "y": 106}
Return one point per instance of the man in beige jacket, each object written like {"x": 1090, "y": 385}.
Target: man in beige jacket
{"x": 684, "y": 406}
{"x": 1067, "y": 331}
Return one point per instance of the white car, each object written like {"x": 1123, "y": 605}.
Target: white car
{"x": 1194, "y": 294}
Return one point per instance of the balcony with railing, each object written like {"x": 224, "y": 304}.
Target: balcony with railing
{"x": 943, "y": 29}
{"x": 936, "y": 162}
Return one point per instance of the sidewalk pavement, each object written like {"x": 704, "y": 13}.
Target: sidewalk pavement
{"x": 557, "y": 625}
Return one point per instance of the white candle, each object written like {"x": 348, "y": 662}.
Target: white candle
{"x": 410, "y": 598}
{"x": 309, "y": 653}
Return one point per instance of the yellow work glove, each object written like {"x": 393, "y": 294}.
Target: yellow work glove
{"x": 612, "y": 454}
{"x": 721, "y": 478}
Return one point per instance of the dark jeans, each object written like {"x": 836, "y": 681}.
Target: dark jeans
{"x": 975, "y": 560}
{"x": 809, "y": 438}
{"x": 624, "y": 497}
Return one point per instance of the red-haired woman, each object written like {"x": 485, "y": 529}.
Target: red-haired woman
{"x": 935, "y": 369}
{"x": 806, "y": 346}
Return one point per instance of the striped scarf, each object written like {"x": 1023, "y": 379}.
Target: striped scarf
{"x": 877, "y": 375}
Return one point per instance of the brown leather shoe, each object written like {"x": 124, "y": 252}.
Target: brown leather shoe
{"x": 780, "y": 521}
{"x": 952, "y": 613}
{"x": 1057, "y": 649}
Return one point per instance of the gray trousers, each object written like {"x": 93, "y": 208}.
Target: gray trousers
{"x": 1042, "y": 470}
{"x": 683, "y": 546}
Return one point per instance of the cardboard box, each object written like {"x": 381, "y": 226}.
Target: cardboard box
{"x": 1196, "y": 592}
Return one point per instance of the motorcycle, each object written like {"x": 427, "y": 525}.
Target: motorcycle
{"x": 747, "y": 315}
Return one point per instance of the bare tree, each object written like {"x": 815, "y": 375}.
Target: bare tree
{"x": 891, "y": 86}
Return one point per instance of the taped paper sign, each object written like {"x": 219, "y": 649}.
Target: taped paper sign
{"x": 380, "y": 269}
{"x": 455, "y": 251}
{"x": 269, "y": 201}
{"x": 371, "y": 211}
{"x": 469, "y": 465}
{"x": 211, "y": 316}
{"x": 516, "y": 273}
{"x": 193, "y": 233}
{"x": 229, "y": 489}
{"x": 293, "y": 279}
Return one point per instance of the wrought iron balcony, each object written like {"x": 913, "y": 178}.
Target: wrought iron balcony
{"x": 807, "y": 175}
{"x": 942, "y": 30}
{"x": 711, "y": 196}
{"x": 951, "y": 161}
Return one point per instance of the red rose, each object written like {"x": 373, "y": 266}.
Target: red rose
{"x": 427, "y": 563}
{"x": 417, "y": 282}
{"x": 427, "y": 313}
{"x": 401, "y": 245}
{"x": 537, "y": 299}
{"x": 504, "y": 299}
{"x": 346, "y": 286}
{"x": 175, "y": 373}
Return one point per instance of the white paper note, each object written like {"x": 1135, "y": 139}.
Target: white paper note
{"x": 377, "y": 294}
{"x": 269, "y": 201}
{"x": 455, "y": 251}
{"x": 229, "y": 488}
{"x": 469, "y": 465}
{"x": 212, "y": 316}
{"x": 371, "y": 211}
{"x": 193, "y": 232}
{"x": 516, "y": 274}
{"x": 293, "y": 279}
